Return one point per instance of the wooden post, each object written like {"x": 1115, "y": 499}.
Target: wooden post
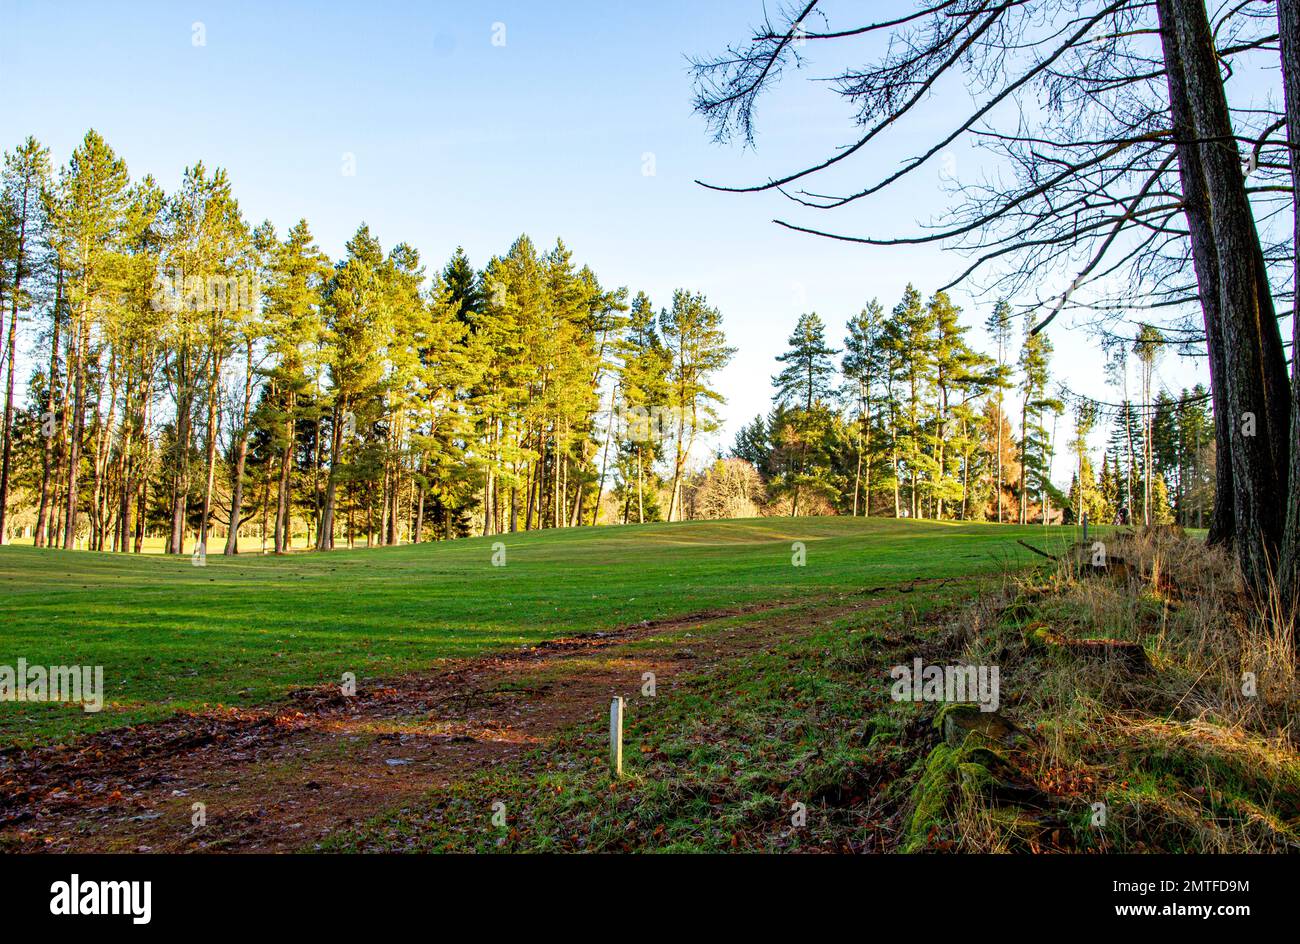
{"x": 616, "y": 736}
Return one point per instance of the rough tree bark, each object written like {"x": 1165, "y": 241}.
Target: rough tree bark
{"x": 325, "y": 535}
{"x": 1257, "y": 387}
{"x": 48, "y": 459}
{"x": 1288, "y": 20}
{"x": 1205, "y": 263}
{"x": 81, "y": 340}
{"x": 240, "y": 457}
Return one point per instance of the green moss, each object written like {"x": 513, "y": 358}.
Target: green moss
{"x": 932, "y": 797}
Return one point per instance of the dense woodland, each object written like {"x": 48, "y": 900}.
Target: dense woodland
{"x": 191, "y": 371}
{"x": 914, "y": 422}
{"x": 194, "y": 372}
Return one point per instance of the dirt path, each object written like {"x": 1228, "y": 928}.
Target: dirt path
{"x": 284, "y": 778}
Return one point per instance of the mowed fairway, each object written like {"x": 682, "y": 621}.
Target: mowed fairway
{"x": 244, "y": 631}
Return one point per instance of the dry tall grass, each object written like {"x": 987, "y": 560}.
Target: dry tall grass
{"x": 1197, "y": 751}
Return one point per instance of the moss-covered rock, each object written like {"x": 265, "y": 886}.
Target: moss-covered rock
{"x": 965, "y": 725}
{"x": 932, "y": 796}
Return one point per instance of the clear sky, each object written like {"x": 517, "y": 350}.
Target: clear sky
{"x": 456, "y": 140}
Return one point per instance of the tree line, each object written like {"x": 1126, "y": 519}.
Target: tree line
{"x": 913, "y": 421}
{"x": 197, "y": 377}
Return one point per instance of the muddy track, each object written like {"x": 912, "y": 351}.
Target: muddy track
{"x": 285, "y": 777}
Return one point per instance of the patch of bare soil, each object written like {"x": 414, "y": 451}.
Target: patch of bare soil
{"x": 285, "y": 777}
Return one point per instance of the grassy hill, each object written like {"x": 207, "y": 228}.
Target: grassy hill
{"x": 243, "y": 631}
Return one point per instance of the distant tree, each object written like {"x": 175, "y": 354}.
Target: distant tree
{"x": 1109, "y": 492}
{"x": 462, "y": 287}
{"x": 643, "y": 386}
{"x": 999, "y": 325}
{"x": 357, "y": 320}
{"x": 909, "y": 339}
{"x": 752, "y": 444}
{"x": 1147, "y": 348}
{"x": 697, "y": 348}
{"x": 1035, "y": 457}
{"x": 805, "y": 383}
{"x": 809, "y": 369}
{"x": 294, "y": 328}
{"x": 1087, "y": 498}
{"x": 1162, "y": 511}
{"x": 87, "y": 211}
{"x": 732, "y": 488}
{"x": 25, "y": 178}
{"x": 1084, "y": 497}
{"x": 959, "y": 376}
{"x": 862, "y": 365}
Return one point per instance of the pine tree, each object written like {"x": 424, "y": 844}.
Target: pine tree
{"x": 25, "y": 178}
{"x": 752, "y": 445}
{"x": 462, "y": 287}
{"x": 1195, "y": 457}
{"x": 643, "y": 389}
{"x": 862, "y": 365}
{"x": 1035, "y": 459}
{"x": 441, "y": 428}
{"x": 139, "y": 347}
{"x": 959, "y": 375}
{"x": 1087, "y": 498}
{"x": 1108, "y": 492}
{"x": 357, "y": 320}
{"x": 999, "y": 325}
{"x": 506, "y": 399}
{"x": 1122, "y": 446}
{"x": 1147, "y": 348}
{"x": 910, "y": 341}
{"x": 1082, "y": 497}
{"x": 806, "y": 382}
{"x": 294, "y": 326}
{"x": 697, "y": 347}
{"x": 87, "y": 213}
{"x": 1161, "y": 511}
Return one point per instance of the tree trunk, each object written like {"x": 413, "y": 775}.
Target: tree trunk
{"x": 47, "y": 421}
{"x": 1288, "y": 16}
{"x": 997, "y": 440}
{"x": 180, "y": 475}
{"x": 241, "y": 457}
{"x": 210, "y": 480}
{"x": 283, "y": 514}
{"x": 640, "y": 486}
{"x": 418, "y": 533}
{"x": 604, "y": 463}
{"x": 1024, "y": 454}
{"x": 1259, "y": 394}
{"x": 78, "y": 421}
{"x": 325, "y": 537}
{"x": 15, "y": 290}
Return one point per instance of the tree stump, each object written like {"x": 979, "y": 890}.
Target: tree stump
{"x": 1127, "y": 655}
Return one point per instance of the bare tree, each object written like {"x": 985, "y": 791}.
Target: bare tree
{"x": 1120, "y": 163}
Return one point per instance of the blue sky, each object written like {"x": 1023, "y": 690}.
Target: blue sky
{"x": 457, "y": 141}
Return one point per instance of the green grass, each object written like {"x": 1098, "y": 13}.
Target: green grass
{"x": 718, "y": 763}
{"x": 244, "y": 631}
{"x": 722, "y": 760}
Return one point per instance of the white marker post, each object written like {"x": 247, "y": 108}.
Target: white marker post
{"x": 616, "y": 736}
